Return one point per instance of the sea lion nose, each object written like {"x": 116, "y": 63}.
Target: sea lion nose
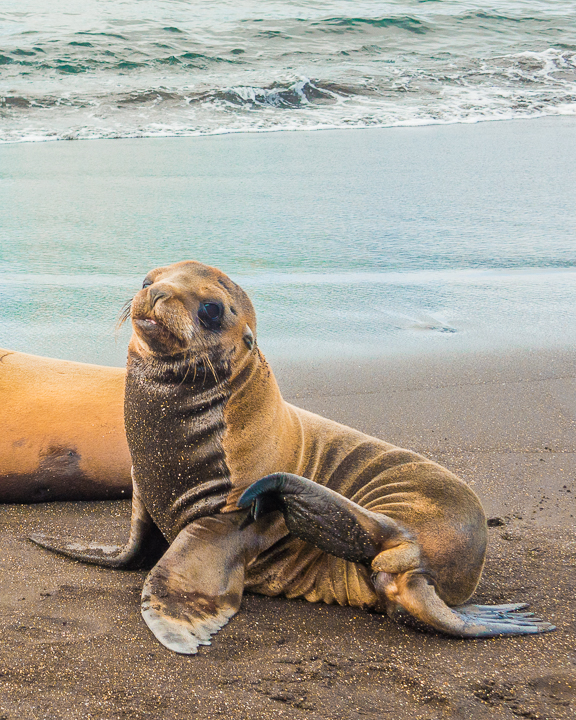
{"x": 155, "y": 293}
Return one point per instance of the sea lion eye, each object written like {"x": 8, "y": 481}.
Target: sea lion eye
{"x": 147, "y": 282}
{"x": 210, "y": 314}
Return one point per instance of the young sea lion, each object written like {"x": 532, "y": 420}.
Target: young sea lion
{"x": 328, "y": 513}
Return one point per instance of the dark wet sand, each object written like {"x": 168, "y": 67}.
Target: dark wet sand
{"x": 74, "y": 646}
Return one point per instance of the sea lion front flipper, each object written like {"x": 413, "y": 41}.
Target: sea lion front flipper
{"x": 416, "y": 593}
{"x": 197, "y": 586}
{"x": 328, "y": 520}
{"x": 145, "y": 544}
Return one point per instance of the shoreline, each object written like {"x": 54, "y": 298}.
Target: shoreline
{"x": 320, "y": 128}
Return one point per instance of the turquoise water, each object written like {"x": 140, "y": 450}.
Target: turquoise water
{"x": 119, "y": 68}
{"x": 351, "y": 243}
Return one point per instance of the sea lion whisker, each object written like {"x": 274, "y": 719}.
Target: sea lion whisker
{"x": 124, "y": 315}
{"x": 201, "y": 358}
{"x": 215, "y": 376}
{"x": 206, "y": 364}
{"x": 195, "y": 369}
{"x": 188, "y": 360}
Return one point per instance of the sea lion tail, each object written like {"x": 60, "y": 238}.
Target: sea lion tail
{"x": 415, "y": 592}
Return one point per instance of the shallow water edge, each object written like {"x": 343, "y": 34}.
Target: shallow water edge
{"x": 365, "y": 244}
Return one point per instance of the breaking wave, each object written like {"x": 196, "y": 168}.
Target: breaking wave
{"x": 270, "y": 68}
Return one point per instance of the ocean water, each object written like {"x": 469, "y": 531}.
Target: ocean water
{"x": 352, "y": 244}
{"x": 120, "y": 68}
{"x": 373, "y": 237}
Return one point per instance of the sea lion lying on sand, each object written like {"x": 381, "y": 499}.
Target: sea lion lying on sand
{"x": 62, "y": 432}
{"x": 247, "y": 491}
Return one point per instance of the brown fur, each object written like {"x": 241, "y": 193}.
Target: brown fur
{"x": 263, "y": 434}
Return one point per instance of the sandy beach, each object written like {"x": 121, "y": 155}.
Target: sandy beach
{"x": 76, "y": 647}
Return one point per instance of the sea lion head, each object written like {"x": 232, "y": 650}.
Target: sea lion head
{"x": 188, "y": 314}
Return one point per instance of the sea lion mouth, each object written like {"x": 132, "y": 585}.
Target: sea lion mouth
{"x": 146, "y": 324}
{"x": 161, "y": 337}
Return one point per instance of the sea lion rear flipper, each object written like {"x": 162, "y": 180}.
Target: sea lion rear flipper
{"x": 340, "y": 527}
{"x": 416, "y": 593}
{"x": 145, "y": 544}
{"x": 197, "y": 586}
{"x": 326, "y": 519}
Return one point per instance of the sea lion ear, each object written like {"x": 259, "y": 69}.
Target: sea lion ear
{"x": 248, "y": 337}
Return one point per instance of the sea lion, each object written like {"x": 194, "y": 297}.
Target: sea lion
{"x": 249, "y": 492}
{"x": 62, "y": 430}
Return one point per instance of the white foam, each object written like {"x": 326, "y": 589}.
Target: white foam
{"x": 525, "y": 84}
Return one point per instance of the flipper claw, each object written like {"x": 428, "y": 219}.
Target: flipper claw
{"x": 416, "y": 593}
{"x": 479, "y": 609}
{"x": 502, "y": 619}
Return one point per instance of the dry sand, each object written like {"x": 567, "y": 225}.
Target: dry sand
{"x": 74, "y": 645}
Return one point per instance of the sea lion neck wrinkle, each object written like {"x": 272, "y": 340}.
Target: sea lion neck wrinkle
{"x": 262, "y": 430}
{"x": 175, "y": 426}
